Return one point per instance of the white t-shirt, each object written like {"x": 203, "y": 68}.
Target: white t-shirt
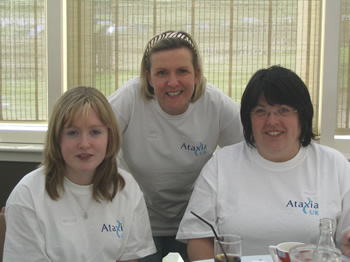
{"x": 41, "y": 229}
{"x": 165, "y": 153}
{"x": 267, "y": 203}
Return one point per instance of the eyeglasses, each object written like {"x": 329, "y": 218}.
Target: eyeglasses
{"x": 263, "y": 114}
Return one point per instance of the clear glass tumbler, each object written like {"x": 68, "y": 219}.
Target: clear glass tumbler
{"x": 305, "y": 253}
{"x": 228, "y": 248}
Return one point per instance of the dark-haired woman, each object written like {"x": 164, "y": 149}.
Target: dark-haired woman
{"x": 275, "y": 186}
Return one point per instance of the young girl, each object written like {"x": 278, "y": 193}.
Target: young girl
{"x": 78, "y": 206}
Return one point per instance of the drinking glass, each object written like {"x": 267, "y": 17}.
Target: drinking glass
{"x": 228, "y": 248}
{"x": 302, "y": 253}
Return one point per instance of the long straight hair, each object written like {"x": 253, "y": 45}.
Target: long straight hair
{"x": 73, "y": 103}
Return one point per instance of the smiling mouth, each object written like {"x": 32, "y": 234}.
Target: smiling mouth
{"x": 274, "y": 133}
{"x": 174, "y": 93}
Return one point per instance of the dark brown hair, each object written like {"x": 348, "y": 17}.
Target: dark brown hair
{"x": 282, "y": 86}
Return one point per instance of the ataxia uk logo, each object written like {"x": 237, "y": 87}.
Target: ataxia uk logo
{"x": 118, "y": 228}
{"x": 308, "y": 207}
{"x": 198, "y": 150}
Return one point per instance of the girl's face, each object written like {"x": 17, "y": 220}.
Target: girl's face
{"x": 83, "y": 147}
{"x": 276, "y": 135}
{"x": 173, "y": 78}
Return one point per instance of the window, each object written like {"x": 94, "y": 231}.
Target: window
{"x": 106, "y": 39}
{"x": 23, "y": 87}
{"x": 47, "y": 46}
{"x": 343, "y": 111}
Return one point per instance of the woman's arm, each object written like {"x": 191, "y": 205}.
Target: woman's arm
{"x": 200, "y": 248}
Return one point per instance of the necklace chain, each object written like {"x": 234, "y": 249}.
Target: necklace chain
{"x": 85, "y": 211}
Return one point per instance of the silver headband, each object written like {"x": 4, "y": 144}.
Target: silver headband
{"x": 168, "y": 34}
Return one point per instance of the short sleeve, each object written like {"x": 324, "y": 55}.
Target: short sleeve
{"x": 202, "y": 203}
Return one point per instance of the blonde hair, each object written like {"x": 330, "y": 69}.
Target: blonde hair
{"x": 167, "y": 41}
{"x": 106, "y": 180}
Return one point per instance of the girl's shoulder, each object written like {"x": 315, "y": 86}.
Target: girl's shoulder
{"x": 33, "y": 178}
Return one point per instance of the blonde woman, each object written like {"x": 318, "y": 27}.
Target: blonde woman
{"x": 172, "y": 121}
{"x": 78, "y": 206}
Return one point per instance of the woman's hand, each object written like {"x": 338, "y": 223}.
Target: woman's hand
{"x": 345, "y": 243}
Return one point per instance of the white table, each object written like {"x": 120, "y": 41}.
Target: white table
{"x": 268, "y": 258}
{"x": 262, "y": 258}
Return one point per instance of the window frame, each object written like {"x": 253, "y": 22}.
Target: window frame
{"x": 23, "y": 142}
{"x": 330, "y": 36}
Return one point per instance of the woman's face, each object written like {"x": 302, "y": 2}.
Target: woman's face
{"x": 276, "y": 136}
{"x": 83, "y": 147}
{"x": 173, "y": 78}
